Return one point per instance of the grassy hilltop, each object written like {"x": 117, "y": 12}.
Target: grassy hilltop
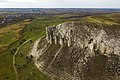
{"x": 18, "y": 38}
{"x": 16, "y": 41}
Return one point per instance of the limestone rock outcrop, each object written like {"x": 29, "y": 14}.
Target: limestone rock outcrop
{"x": 78, "y": 51}
{"x": 59, "y": 34}
{"x": 96, "y": 39}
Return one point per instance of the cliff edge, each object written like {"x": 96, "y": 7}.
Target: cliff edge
{"x": 80, "y": 51}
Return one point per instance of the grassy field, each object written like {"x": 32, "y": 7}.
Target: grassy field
{"x": 10, "y": 34}
{"x": 15, "y": 36}
{"x": 107, "y": 19}
{"x": 20, "y": 36}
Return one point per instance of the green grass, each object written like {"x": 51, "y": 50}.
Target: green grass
{"x": 26, "y": 68}
{"x": 106, "y": 19}
{"x": 37, "y": 27}
{"x": 6, "y": 38}
{"x": 34, "y": 30}
{"x": 10, "y": 34}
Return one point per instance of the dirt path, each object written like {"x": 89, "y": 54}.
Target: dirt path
{"x": 34, "y": 52}
{"x": 55, "y": 57}
{"x": 14, "y": 58}
{"x": 34, "y": 48}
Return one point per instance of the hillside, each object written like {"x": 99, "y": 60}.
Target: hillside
{"x": 60, "y": 46}
{"x": 109, "y": 19}
{"x": 88, "y": 49}
{"x": 16, "y": 40}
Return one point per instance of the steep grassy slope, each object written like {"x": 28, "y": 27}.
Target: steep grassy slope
{"x": 15, "y": 62}
{"x": 93, "y": 53}
{"x": 24, "y": 65}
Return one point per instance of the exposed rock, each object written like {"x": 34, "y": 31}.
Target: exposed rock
{"x": 78, "y": 51}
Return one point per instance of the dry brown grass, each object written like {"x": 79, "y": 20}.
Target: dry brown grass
{"x": 14, "y": 29}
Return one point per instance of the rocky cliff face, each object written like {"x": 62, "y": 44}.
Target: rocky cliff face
{"x": 78, "y": 51}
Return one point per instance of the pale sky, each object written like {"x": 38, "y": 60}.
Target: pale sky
{"x": 59, "y": 3}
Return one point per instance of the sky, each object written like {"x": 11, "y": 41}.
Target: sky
{"x": 59, "y": 3}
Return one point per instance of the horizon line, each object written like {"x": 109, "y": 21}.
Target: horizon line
{"x": 62, "y": 7}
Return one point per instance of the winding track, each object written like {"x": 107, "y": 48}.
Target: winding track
{"x": 14, "y": 58}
